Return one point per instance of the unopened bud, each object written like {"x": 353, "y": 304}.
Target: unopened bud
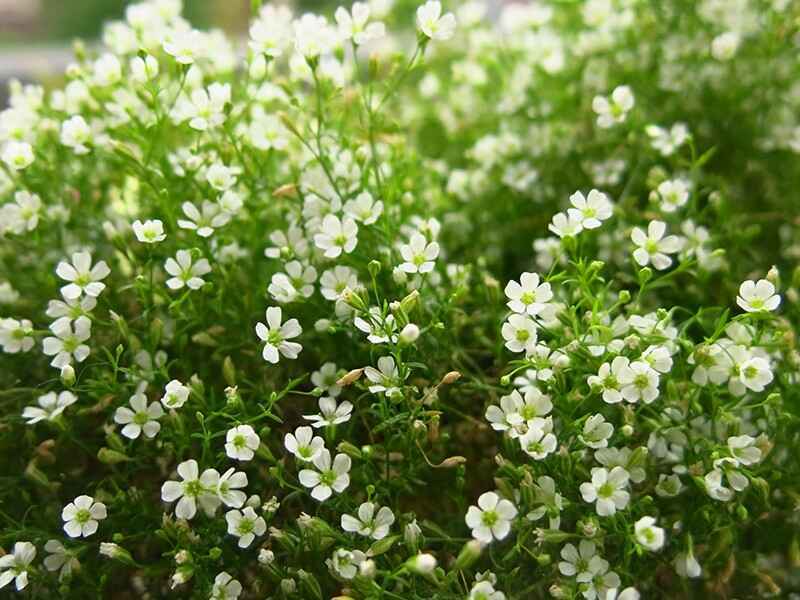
{"x": 68, "y": 375}
{"x": 350, "y": 377}
{"x": 470, "y": 552}
{"x": 409, "y": 302}
{"x": 451, "y": 377}
{"x": 409, "y": 334}
{"x": 422, "y": 564}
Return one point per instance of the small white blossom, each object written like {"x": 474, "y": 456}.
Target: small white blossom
{"x": 83, "y": 277}
{"x": 433, "y": 23}
{"x": 246, "y": 525}
{"x": 241, "y": 442}
{"x": 329, "y": 413}
{"x": 185, "y": 271}
{"x": 276, "y": 335}
{"x": 337, "y": 236}
{"x": 81, "y": 516}
{"x": 491, "y": 519}
{"x": 328, "y": 477}
{"x": 139, "y": 418}
{"x": 369, "y": 523}
{"x": 175, "y": 394}
{"x": 648, "y": 534}
{"x": 757, "y": 296}
{"x": 608, "y": 489}
{"x": 653, "y": 247}
{"x": 149, "y": 232}
{"x": 304, "y": 444}
{"x": 614, "y": 110}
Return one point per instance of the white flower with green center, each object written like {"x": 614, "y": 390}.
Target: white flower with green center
{"x": 304, "y": 444}
{"x": 653, "y": 248}
{"x": 193, "y": 489}
{"x": 757, "y": 296}
{"x": 648, "y": 534}
{"x": 491, "y": 519}
{"x": 14, "y": 566}
{"x": 246, "y": 525}
{"x": 346, "y": 562}
{"x": 519, "y": 332}
{"x": 175, "y": 394}
{"x": 81, "y": 516}
{"x": 330, "y": 413}
{"x": 18, "y": 155}
{"x": 419, "y": 255}
{"x": 539, "y": 440}
{"x": 596, "y": 431}
{"x": 433, "y": 24}
{"x": 368, "y": 523}
{"x": 529, "y": 296}
{"x": 610, "y": 379}
{"x": 16, "y": 336}
{"x": 353, "y": 25}
{"x": 590, "y": 211}
{"x": 228, "y": 488}
{"x": 326, "y": 379}
{"x": 329, "y": 477}
{"x": 185, "y": 271}
{"x": 673, "y": 194}
{"x": 744, "y": 450}
{"x": 484, "y": 590}
{"x": 643, "y": 384}
{"x": 225, "y": 587}
{"x": 363, "y": 208}
{"x": 84, "y": 278}
{"x": 565, "y": 225}
{"x": 139, "y": 417}
{"x": 67, "y": 340}
{"x": 241, "y": 442}
{"x": 576, "y": 560}
{"x": 276, "y": 336}
{"x": 204, "y": 221}
{"x": 607, "y": 489}
{"x": 60, "y": 559}
{"x": 51, "y": 405}
{"x": 149, "y": 232}
{"x": 614, "y": 110}
{"x": 336, "y": 236}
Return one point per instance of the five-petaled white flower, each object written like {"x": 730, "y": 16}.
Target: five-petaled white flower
{"x": 433, "y": 23}
{"x": 329, "y": 477}
{"x": 353, "y": 25}
{"x": 225, "y": 587}
{"x": 329, "y": 413}
{"x": 419, "y": 255}
{"x": 193, "y": 489}
{"x": 653, "y": 247}
{"x": 84, "y": 278}
{"x": 185, "y": 271}
{"x": 14, "y": 566}
{"x": 519, "y": 332}
{"x": 51, "y": 405}
{"x": 757, "y": 296}
{"x": 276, "y": 336}
{"x": 337, "y": 236}
{"x": 304, "y": 444}
{"x": 149, "y": 232}
{"x": 205, "y": 222}
{"x": 608, "y": 489}
{"x": 67, "y": 340}
{"x": 175, "y": 394}
{"x": 81, "y": 516}
{"x": 529, "y": 295}
{"x": 241, "y": 442}
{"x": 591, "y": 210}
{"x": 245, "y": 524}
{"x": 368, "y": 523}
{"x": 648, "y": 534}
{"x": 140, "y": 417}
{"x": 491, "y": 519}
{"x": 613, "y": 110}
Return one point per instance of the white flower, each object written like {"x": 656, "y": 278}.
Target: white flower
{"x": 539, "y": 440}
{"x": 368, "y": 523}
{"x": 304, "y": 444}
{"x": 175, "y": 394}
{"x": 642, "y": 383}
{"x": 84, "y": 278}
{"x": 668, "y": 141}
{"x": 192, "y": 489}
{"x": 336, "y": 236}
{"x": 648, "y": 534}
{"x": 313, "y": 36}
{"x": 14, "y": 567}
{"x": 185, "y": 46}
{"x": 597, "y": 581}
{"x": 353, "y": 25}
{"x": 519, "y": 332}
{"x": 614, "y": 110}
{"x": 241, "y": 442}
{"x": 744, "y": 450}
{"x": 686, "y": 565}
{"x": 725, "y": 45}
{"x": 328, "y": 477}
{"x": 186, "y": 272}
{"x": 204, "y": 108}
{"x": 334, "y": 282}
{"x": 143, "y": 69}
{"x": 18, "y": 155}
{"x": 653, "y": 247}
{"x": 149, "y": 232}
{"x": 379, "y": 329}
{"x": 607, "y": 489}
{"x": 297, "y": 282}
{"x": 419, "y": 255}
{"x": 345, "y": 563}
{"x": 67, "y": 340}
{"x": 611, "y": 378}
{"x": 565, "y": 225}
{"x": 59, "y": 559}
{"x": 673, "y": 193}
{"x": 515, "y": 411}
{"x": 491, "y": 519}
{"x": 326, "y": 378}
{"x": 245, "y": 524}
{"x": 16, "y": 336}
{"x": 142, "y": 418}
{"x": 71, "y": 309}
{"x": 596, "y": 431}
{"x": 76, "y": 134}
{"x": 329, "y": 413}
{"x": 23, "y": 215}
{"x": 212, "y": 217}
{"x": 363, "y": 208}
{"x": 433, "y": 23}
{"x": 385, "y": 378}
{"x": 757, "y": 296}
{"x": 528, "y": 296}
{"x": 221, "y": 177}
{"x": 50, "y": 407}
{"x": 591, "y": 210}
{"x": 484, "y": 590}
{"x": 107, "y": 70}
{"x": 269, "y": 33}
{"x": 228, "y": 488}
{"x": 225, "y": 587}
{"x": 755, "y": 373}
{"x": 276, "y": 335}
{"x": 576, "y": 560}
{"x": 81, "y": 516}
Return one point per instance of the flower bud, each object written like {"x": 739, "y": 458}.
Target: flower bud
{"x": 68, "y": 375}
{"x": 266, "y": 557}
{"x": 470, "y": 552}
{"x": 409, "y": 334}
{"x": 349, "y": 377}
{"x": 422, "y": 564}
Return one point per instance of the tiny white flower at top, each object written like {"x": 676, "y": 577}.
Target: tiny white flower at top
{"x": 757, "y": 296}
{"x": 433, "y": 23}
{"x": 204, "y": 223}
{"x": 51, "y": 405}
{"x": 81, "y": 516}
{"x": 139, "y": 417}
{"x": 363, "y": 208}
{"x": 149, "y": 232}
{"x": 591, "y": 210}
{"x": 185, "y": 46}
{"x": 566, "y": 225}
{"x": 652, "y": 247}
{"x": 614, "y": 110}
{"x": 491, "y": 518}
{"x": 369, "y": 523}
{"x": 83, "y": 277}
{"x": 241, "y": 442}
{"x": 269, "y": 33}
{"x": 353, "y": 25}
{"x": 276, "y": 335}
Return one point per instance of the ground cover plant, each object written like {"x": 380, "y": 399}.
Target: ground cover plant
{"x": 406, "y": 302}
